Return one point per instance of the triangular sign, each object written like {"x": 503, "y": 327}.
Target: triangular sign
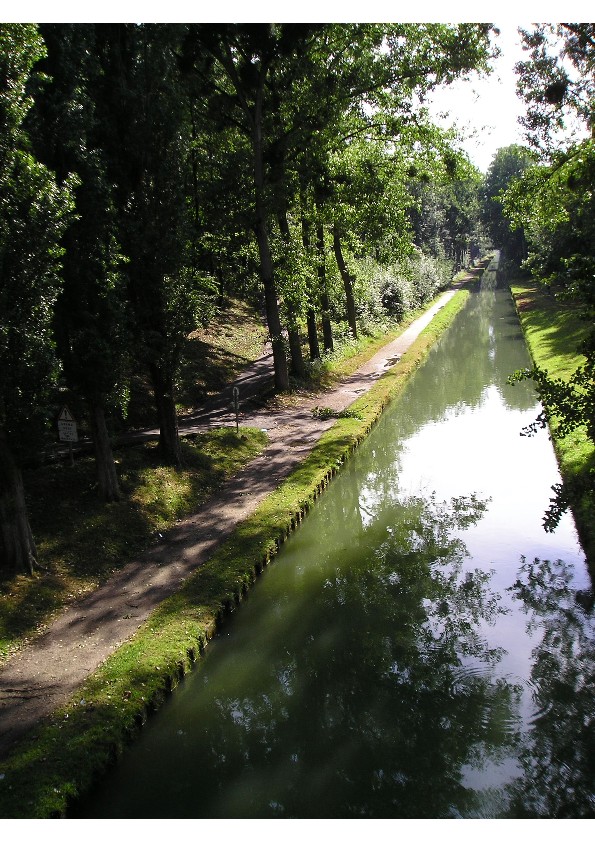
{"x": 65, "y": 414}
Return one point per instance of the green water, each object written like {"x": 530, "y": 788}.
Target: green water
{"x": 421, "y": 647}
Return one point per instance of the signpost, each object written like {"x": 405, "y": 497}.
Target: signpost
{"x": 67, "y": 429}
{"x": 236, "y": 406}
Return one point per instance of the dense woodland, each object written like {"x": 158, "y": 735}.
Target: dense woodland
{"x": 148, "y": 172}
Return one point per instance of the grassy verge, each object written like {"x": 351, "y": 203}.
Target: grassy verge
{"x": 60, "y": 760}
{"x": 81, "y": 541}
{"x": 553, "y": 332}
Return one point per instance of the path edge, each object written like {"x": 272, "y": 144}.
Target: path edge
{"x": 60, "y": 759}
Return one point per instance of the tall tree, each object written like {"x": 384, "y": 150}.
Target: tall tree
{"x": 34, "y": 213}
{"x": 246, "y": 57}
{"x": 149, "y": 151}
{"x": 368, "y": 206}
{"x": 555, "y": 202}
{"x": 287, "y": 86}
{"x": 91, "y": 318}
{"x": 508, "y": 164}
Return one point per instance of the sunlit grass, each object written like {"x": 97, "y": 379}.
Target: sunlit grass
{"x": 554, "y": 332}
{"x": 81, "y": 540}
{"x": 217, "y": 354}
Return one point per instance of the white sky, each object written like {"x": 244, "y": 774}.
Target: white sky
{"x": 485, "y": 111}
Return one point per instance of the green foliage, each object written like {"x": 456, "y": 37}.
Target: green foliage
{"x": 571, "y": 402}
{"x": 505, "y": 172}
{"x": 369, "y": 196}
{"x": 90, "y": 319}
{"x": 324, "y": 110}
{"x": 557, "y": 203}
{"x": 557, "y": 83}
{"x": 34, "y": 213}
{"x": 400, "y": 288}
{"x": 445, "y": 186}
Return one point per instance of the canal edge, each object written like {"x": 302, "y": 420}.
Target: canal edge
{"x": 584, "y": 527}
{"x": 175, "y": 635}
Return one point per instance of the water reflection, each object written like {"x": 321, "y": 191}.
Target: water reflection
{"x": 557, "y": 752}
{"x": 376, "y": 697}
{"x": 478, "y": 351}
{"x": 388, "y": 665}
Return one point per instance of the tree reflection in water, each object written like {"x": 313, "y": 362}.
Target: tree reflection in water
{"x": 376, "y": 709}
{"x": 558, "y": 751}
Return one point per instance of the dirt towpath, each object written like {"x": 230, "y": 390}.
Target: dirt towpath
{"x": 43, "y": 675}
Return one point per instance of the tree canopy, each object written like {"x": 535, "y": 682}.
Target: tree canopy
{"x": 149, "y": 170}
{"x": 34, "y": 213}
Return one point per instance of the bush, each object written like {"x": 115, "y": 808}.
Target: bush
{"x": 389, "y": 292}
{"x": 400, "y": 288}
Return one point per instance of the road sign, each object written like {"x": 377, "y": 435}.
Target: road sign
{"x": 67, "y": 425}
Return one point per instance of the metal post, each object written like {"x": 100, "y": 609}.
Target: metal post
{"x": 236, "y": 406}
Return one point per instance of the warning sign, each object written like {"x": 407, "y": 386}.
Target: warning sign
{"x": 67, "y": 425}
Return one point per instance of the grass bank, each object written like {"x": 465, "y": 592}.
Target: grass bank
{"x": 81, "y": 541}
{"x": 59, "y": 761}
{"x": 553, "y": 332}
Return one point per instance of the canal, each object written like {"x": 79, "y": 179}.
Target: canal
{"x": 421, "y": 648}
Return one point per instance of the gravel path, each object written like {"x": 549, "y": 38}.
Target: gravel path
{"x": 42, "y": 676}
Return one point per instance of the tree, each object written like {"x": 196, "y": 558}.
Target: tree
{"x": 369, "y": 141}
{"x": 287, "y": 87}
{"x": 508, "y": 164}
{"x": 90, "y": 314}
{"x": 555, "y": 202}
{"x": 248, "y": 64}
{"x": 34, "y": 213}
{"x": 369, "y": 207}
{"x": 149, "y": 160}
{"x": 557, "y": 83}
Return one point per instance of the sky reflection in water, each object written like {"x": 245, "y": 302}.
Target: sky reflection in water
{"x": 401, "y": 659}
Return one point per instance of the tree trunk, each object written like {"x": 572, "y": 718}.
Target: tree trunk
{"x": 169, "y": 440}
{"x": 347, "y": 282}
{"x": 295, "y": 343}
{"x": 313, "y": 335}
{"x": 272, "y": 308}
{"x": 327, "y": 329}
{"x": 298, "y": 369}
{"x": 18, "y": 553}
{"x": 107, "y": 478}
{"x": 311, "y": 314}
{"x": 264, "y": 251}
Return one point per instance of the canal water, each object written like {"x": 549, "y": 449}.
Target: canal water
{"x": 421, "y": 648}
